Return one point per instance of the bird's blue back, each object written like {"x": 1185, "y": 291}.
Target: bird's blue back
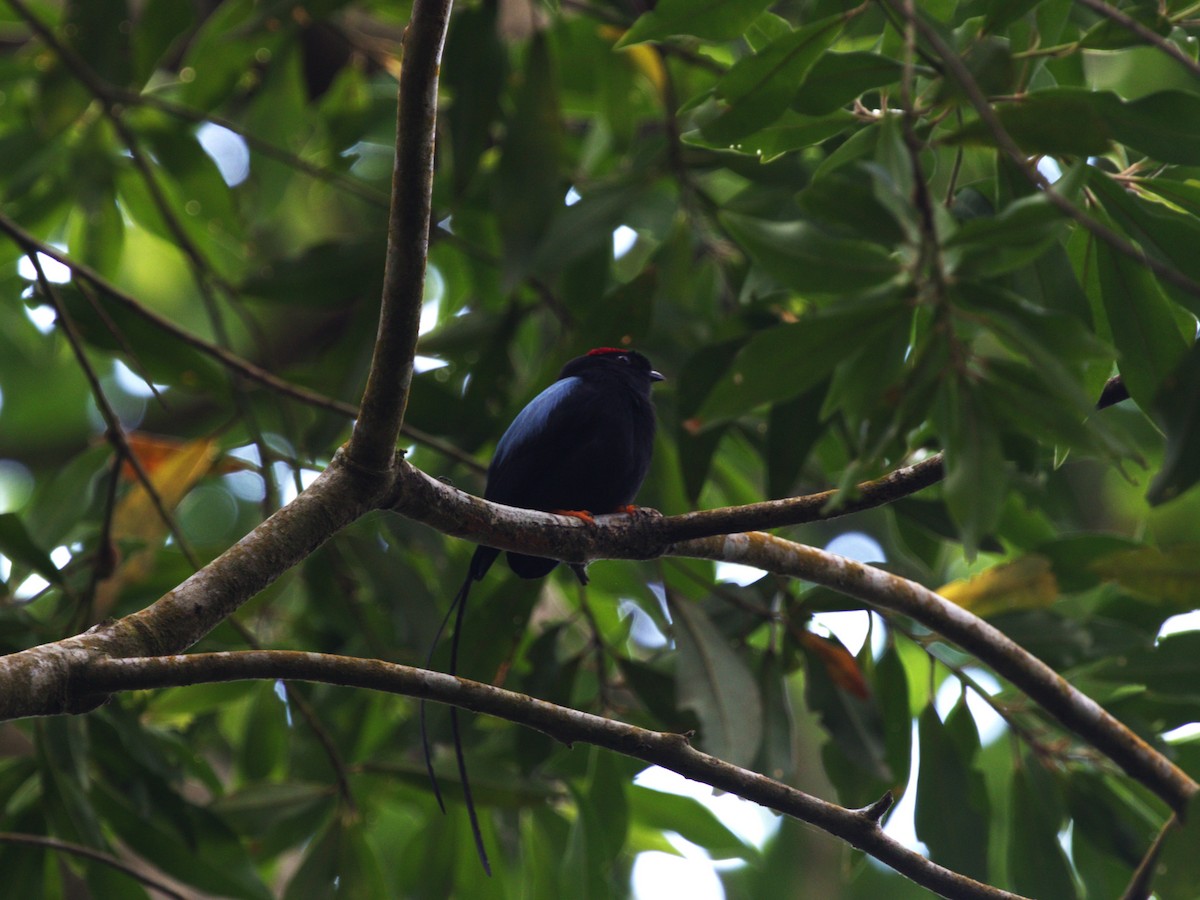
{"x": 532, "y": 420}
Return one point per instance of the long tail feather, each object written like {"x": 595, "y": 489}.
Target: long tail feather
{"x": 458, "y": 750}
{"x": 458, "y": 608}
{"x": 459, "y": 601}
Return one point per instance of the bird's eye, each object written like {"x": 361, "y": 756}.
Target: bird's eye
{"x": 623, "y": 358}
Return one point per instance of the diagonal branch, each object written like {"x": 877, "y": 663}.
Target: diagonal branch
{"x": 1051, "y": 691}
{"x": 233, "y": 362}
{"x": 561, "y": 537}
{"x": 961, "y": 75}
{"x": 85, "y": 852}
{"x": 1133, "y": 26}
{"x": 860, "y": 828}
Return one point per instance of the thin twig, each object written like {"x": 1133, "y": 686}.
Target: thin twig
{"x": 1143, "y": 877}
{"x": 962, "y": 76}
{"x": 226, "y": 358}
{"x": 324, "y": 738}
{"x": 51, "y": 843}
{"x": 114, "y": 430}
{"x": 1133, "y": 26}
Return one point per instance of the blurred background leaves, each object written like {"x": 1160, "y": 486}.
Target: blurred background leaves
{"x": 731, "y": 188}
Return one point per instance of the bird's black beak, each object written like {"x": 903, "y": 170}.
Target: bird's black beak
{"x": 657, "y": 376}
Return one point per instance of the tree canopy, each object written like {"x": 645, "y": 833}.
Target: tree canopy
{"x": 921, "y": 275}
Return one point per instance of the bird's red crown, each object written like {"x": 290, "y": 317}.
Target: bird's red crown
{"x": 604, "y": 351}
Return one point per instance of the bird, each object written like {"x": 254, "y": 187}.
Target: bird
{"x": 581, "y": 447}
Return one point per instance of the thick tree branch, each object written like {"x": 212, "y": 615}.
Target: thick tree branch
{"x": 386, "y": 394}
{"x": 561, "y": 537}
{"x": 859, "y": 828}
{"x": 39, "y": 681}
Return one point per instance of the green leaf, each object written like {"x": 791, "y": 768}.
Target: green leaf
{"x": 778, "y": 754}
{"x": 325, "y": 274}
{"x": 807, "y": 351}
{"x": 856, "y": 758}
{"x": 1142, "y": 323}
{"x": 690, "y": 819}
{"x": 167, "y": 359}
{"x": 976, "y": 480}
{"x": 716, "y": 683}
{"x": 475, "y": 65}
{"x": 1108, "y": 34}
{"x": 529, "y": 188}
{"x": 891, "y": 687}
{"x": 208, "y": 858}
{"x": 1171, "y": 667}
{"x": 714, "y": 20}
{"x": 787, "y": 133}
{"x": 793, "y": 427}
{"x": 18, "y": 546}
{"x": 806, "y": 258}
{"x": 952, "y": 815}
{"x": 340, "y": 863}
{"x": 1036, "y": 862}
{"x": 260, "y": 808}
{"x": 1083, "y": 122}
{"x": 1176, "y": 409}
{"x": 1164, "y": 234}
{"x": 838, "y": 78}
{"x": 1177, "y": 869}
{"x": 1067, "y": 121}
{"x": 759, "y": 88}
{"x": 264, "y": 750}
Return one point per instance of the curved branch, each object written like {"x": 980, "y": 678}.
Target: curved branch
{"x": 643, "y": 536}
{"x": 860, "y": 828}
{"x": 1034, "y": 678}
{"x": 386, "y": 394}
{"x": 51, "y": 843}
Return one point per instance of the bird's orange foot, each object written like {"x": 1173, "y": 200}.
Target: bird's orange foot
{"x": 632, "y": 510}
{"x": 576, "y": 514}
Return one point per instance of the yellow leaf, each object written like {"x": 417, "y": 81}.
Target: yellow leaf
{"x": 173, "y": 469}
{"x": 173, "y": 472}
{"x": 1025, "y": 583}
{"x": 643, "y": 57}
{"x": 1170, "y": 575}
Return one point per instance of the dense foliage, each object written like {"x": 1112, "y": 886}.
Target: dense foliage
{"x": 831, "y": 226}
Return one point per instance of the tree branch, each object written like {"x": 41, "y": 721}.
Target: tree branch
{"x": 859, "y": 828}
{"x": 957, "y": 69}
{"x": 40, "y": 680}
{"x": 386, "y": 394}
{"x": 1034, "y": 678}
{"x": 1133, "y": 26}
{"x": 232, "y": 361}
{"x": 50, "y": 843}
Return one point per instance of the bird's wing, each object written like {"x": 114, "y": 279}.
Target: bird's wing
{"x": 525, "y": 443}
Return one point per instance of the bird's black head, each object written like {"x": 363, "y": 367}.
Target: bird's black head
{"x": 626, "y": 365}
